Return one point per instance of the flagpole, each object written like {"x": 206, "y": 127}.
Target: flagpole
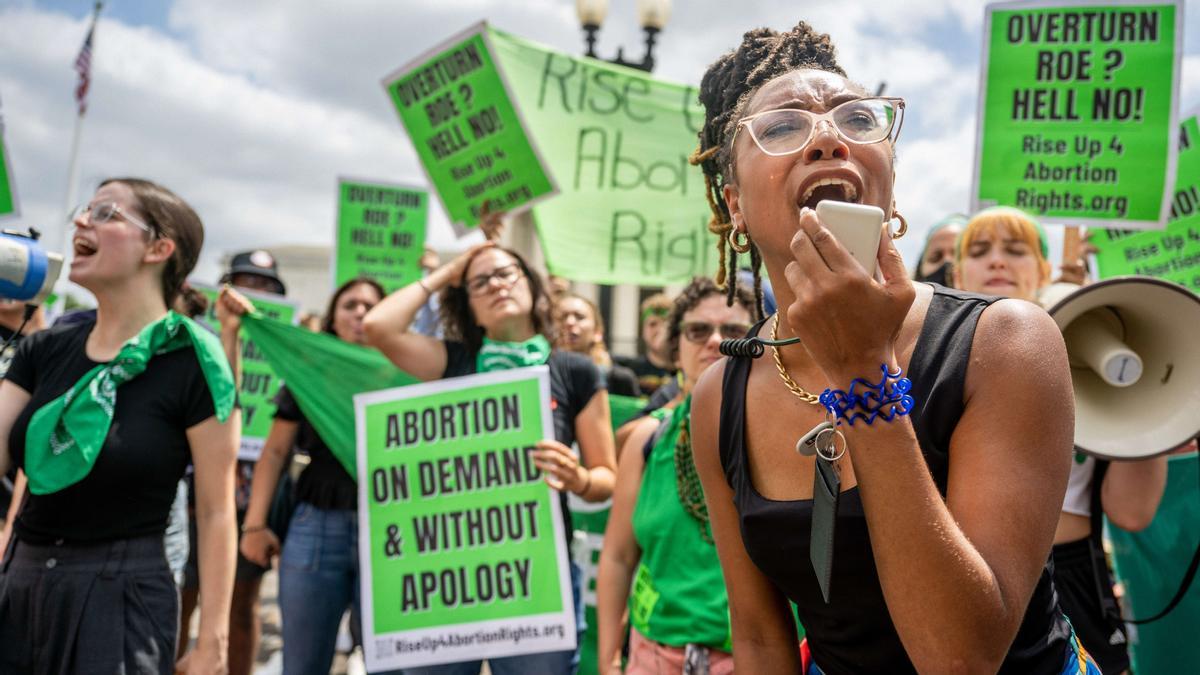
{"x": 73, "y": 164}
{"x": 63, "y": 230}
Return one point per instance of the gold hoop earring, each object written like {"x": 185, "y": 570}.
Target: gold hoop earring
{"x": 733, "y": 242}
{"x": 903, "y": 226}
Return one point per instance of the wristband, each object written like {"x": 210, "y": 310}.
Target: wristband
{"x": 586, "y": 486}
{"x": 421, "y": 283}
{"x": 247, "y": 529}
{"x": 866, "y": 401}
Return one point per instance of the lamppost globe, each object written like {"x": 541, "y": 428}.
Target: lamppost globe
{"x": 591, "y": 12}
{"x": 653, "y": 14}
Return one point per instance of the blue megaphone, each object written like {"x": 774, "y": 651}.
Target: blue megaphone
{"x": 27, "y": 271}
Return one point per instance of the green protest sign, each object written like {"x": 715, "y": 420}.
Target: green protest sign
{"x": 462, "y": 548}
{"x": 457, "y": 108}
{"x": 8, "y": 194}
{"x": 1077, "y": 112}
{"x": 259, "y": 384}
{"x": 632, "y": 209}
{"x": 380, "y": 232}
{"x": 1174, "y": 253}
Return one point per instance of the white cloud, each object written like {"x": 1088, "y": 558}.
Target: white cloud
{"x": 250, "y": 110}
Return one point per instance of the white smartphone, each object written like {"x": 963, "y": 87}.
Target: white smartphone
{"x": 856, "y": 226}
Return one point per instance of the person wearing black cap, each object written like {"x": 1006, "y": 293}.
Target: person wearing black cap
{"x": 255, "y": 271}
{"x": 252, "y": 271}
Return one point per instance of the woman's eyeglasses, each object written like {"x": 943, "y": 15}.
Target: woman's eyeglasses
{"x": 507, "y": 276}
{"x": 98, "y": 214}
{"x": 699, "y": 332}
{"x": 862, "y": 121}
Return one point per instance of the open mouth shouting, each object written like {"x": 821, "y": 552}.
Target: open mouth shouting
{"x": 83, "y": 247}
{"x": 842, "y": 186}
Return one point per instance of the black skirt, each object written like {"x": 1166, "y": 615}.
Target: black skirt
{"x": 105, "y": 608}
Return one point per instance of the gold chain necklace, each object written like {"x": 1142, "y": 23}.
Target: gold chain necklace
{"x": 806, "y": 396}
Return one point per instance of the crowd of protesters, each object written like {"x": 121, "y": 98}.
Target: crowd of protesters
{"x": 961, "y": 543}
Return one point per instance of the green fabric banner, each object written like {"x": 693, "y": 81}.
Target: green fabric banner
{"x": 458, "y": 111}
{"x": 632, "y": 210}
{"x": 1172, "y": 254}
{"x": 380, "y": 232}
{"x": 1077, "y": 112}
{"x": 461, "y": 542}
{"x": 324, "y": 374}
{"x": 8, "y": 194}
{"x": 259, "y": 383}
{"x": 1151, "y": 563}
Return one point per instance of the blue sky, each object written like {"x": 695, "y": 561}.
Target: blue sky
{"x": 250, "y": 108}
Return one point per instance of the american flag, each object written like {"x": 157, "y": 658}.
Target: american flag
{"x": 83, "y": 66}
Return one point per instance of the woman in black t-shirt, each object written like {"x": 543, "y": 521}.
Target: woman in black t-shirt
{"x": 318, "y": 570}
{"x": 495, "y": 310}
{"x": 944, "y": 518}
{"x": 85, "y": 586}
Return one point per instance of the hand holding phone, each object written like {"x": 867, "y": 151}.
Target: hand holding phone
{"x": 857, "y": 227}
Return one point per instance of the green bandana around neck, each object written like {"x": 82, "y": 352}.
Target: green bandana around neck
{"x": 66, "y": 435}
{"x": 495, "y": 355}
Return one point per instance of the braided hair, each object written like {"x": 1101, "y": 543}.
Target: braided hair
{"x": 687, "y": 481}
{"x": 727, "y": 87}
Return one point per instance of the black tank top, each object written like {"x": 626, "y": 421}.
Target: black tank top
{"x": 854, "y": 633}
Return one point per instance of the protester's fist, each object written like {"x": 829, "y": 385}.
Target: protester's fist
{"x": 260, "y": 546}
{"x": 492, "y": 223}
{"x": 562, "y": 468}
{"x": 231, "y": 306}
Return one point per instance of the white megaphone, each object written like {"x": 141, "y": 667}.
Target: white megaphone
{"x": 1134, "y": 346}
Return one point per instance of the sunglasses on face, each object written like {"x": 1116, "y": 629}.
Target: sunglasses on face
{"x": 862, "y": 121}
{"x": 507, "y": 276}
{"x": 98, "y": 214}
{"x": 699, "y": 332}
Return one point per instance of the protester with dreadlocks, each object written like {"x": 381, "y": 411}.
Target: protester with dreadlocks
{"x": 952, "y": 479}
{"x": 658, "y": 531}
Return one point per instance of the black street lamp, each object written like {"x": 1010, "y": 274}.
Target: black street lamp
{"x": 653, "y": 15}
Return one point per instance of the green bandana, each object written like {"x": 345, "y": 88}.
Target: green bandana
{"x": 507, "y": 355}
{"x": 65, "y": 435}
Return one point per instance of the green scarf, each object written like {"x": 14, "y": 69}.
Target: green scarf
{"x": 66, "y": 435}
{"x": 495, "y": 356}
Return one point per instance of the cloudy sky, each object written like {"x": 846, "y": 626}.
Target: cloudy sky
{"x": 251, "y": 108}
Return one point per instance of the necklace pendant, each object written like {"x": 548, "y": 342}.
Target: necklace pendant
{"x": 807, "y": 445}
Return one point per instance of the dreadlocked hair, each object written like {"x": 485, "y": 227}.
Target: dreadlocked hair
{"x": 728, "y": 85}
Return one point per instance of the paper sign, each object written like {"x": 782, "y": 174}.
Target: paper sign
{"x": 462, "y": 550}
{"x": 1078, "y": 111}
{"x": 380, "y": 232}
{"x": 458, "y": 110}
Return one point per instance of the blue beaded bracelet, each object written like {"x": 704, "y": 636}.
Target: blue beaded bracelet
{"x": 866, "y": 401}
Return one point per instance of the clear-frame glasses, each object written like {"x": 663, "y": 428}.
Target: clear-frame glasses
{"x": 861, "y": 121}
{"x": 103, "y": 212}
{"x": 507, "y": 276}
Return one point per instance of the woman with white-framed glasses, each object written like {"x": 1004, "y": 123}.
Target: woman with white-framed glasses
{"x": 496, "y": 315}
{"x": 897, "y": 473}
{"x": 104, "y": 415}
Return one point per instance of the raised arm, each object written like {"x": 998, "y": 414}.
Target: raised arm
{"x": 620, "y": 555}
{"x": 387, "y": 324}
{"x": 764, "y": 634}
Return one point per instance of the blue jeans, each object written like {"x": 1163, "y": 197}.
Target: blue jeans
{"x": 318, "y": 580}
{"x": 547, "y": 663}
